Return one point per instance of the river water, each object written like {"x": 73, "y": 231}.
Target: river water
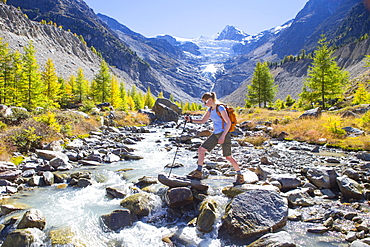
{"x": 79, "y": 209}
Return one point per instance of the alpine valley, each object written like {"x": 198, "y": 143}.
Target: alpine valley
{"x": 184, "y": 68}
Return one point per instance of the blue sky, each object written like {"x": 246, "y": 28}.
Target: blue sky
{"x": 195, "y": 18}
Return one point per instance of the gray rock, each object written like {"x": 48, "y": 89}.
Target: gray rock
{"x": 75, "y": 144}
{"x": 254, "y": 213}
{"x": 118, "y": 219}
{"x": 279, "y": 239}
{"x": 287, "y": 181}
{"x": 351, "y": 131}
{"x": 33, "y": 218}
{"x": 54, "y": 146}
{"x": 6, "y": 166}
{"x": 115, "y": 193}
{"x": 49, "y": 155}
{"x": 363, "y": 156}
{"x": 110, "y": 158}
{"x": 24, "y": 237}
{"x": 177, "y": 197}
{"x": 48, "y": 178}
{"x": 36, "y": 181}
{"x": 10, "y": 175}
{"x": 349, "y": 188}
{"x": 300, "y": 198}
{"x": 313, "y": 113}
{"x": 322, "y": 177}
{"x": 165, "y": 113}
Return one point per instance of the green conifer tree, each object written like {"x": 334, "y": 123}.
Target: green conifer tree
{"x": 325, "y": 79}
{"x": 262, "y": 89}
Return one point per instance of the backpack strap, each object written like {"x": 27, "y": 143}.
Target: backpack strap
{"x": 219, "y": 113}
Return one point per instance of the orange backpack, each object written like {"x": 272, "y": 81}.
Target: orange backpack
{"x": 231, "y": 113}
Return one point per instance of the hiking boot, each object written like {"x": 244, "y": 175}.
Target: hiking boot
{"x": 196, "y": 174}
{"x": 239, "y": 179}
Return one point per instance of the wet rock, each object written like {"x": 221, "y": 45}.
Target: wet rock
{"x": 177, "y": 197}
{"x": 349, "y": 188}
{"x": 9, "y": 208}
{"x": 179, "y": 181}
{"x": 322, "y": 177}
{"x": 139, "y": 204}
{"x": 254, "y": 213}
{"x": 110, "y": 158}
{"x": 318, "y": 229}
{"x": 118, "y": 219}
{"x": 89, "y": 163}
{"x": 146, "y": 181}
{"x": 84, "y": 182}
{"x": 63, "y": 237}
{"x": 115, "y": 193}
{"x": 33, "y": 218}
{"x": 24, "y": 237}
{"x": 129, "y": 156}
{"x": 279, "y": 239}
{"x": 207, "y": 215}
{"x": 232, "y": 191}
{"x": 287, "y": 181}
{"x": 361, "y": 243}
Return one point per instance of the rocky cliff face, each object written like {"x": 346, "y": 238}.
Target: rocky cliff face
{"x": 76, "y": 16}
{"x": 66, "y": 50}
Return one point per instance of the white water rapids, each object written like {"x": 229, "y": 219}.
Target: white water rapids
{"x": 79, "y": 209}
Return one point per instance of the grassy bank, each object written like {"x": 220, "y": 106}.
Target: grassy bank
{"x": 26, "y": 131}
{"x": 326, "y": 129}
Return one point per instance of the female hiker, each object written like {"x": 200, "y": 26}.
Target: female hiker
{"x": 220, "y": 135}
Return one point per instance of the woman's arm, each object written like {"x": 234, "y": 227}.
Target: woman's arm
{"x": 204, "y": 118}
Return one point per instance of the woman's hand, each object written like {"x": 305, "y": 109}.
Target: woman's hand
{"x": 188, "y": 118}
{"x": 221, "y": 139}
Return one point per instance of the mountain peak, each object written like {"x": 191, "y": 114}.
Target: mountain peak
{"x": 232, "y": 33}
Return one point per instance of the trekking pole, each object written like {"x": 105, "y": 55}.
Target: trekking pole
{"x": 177, "y": 149}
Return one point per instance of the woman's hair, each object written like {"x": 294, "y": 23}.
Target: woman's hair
{"x": 209, "y": 95}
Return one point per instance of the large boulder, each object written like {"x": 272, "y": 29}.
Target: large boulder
{"x": 349, "y": 188}
{"x": 139, "y": 204}
{"x": 24, "y": 237}
{"x": 118, "y": 219}
{"x": 177, "y": 197}
{"x": 33, "y": 218}
{"x": 207, "y": 215}
{"x": 232, "y": 191}
{"x": 254, "y": 213}
{"x": 165, "y": 111}
{"x": 322, "y": 177}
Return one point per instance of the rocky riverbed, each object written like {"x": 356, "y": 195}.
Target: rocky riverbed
{"x": 323, "y": 192}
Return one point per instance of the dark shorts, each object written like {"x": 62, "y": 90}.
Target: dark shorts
{"x": 212, "y": 141}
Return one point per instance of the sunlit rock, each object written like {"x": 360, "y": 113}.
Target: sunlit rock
{"x": 32, "y": 218}
{"x": 24, "y": 237}
{"x": 207, "y": 215}
{"x": 254, "y": 213}
{"x": 139, "y": 204}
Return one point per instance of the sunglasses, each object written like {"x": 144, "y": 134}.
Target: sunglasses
{"x": 205, "y": 102}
